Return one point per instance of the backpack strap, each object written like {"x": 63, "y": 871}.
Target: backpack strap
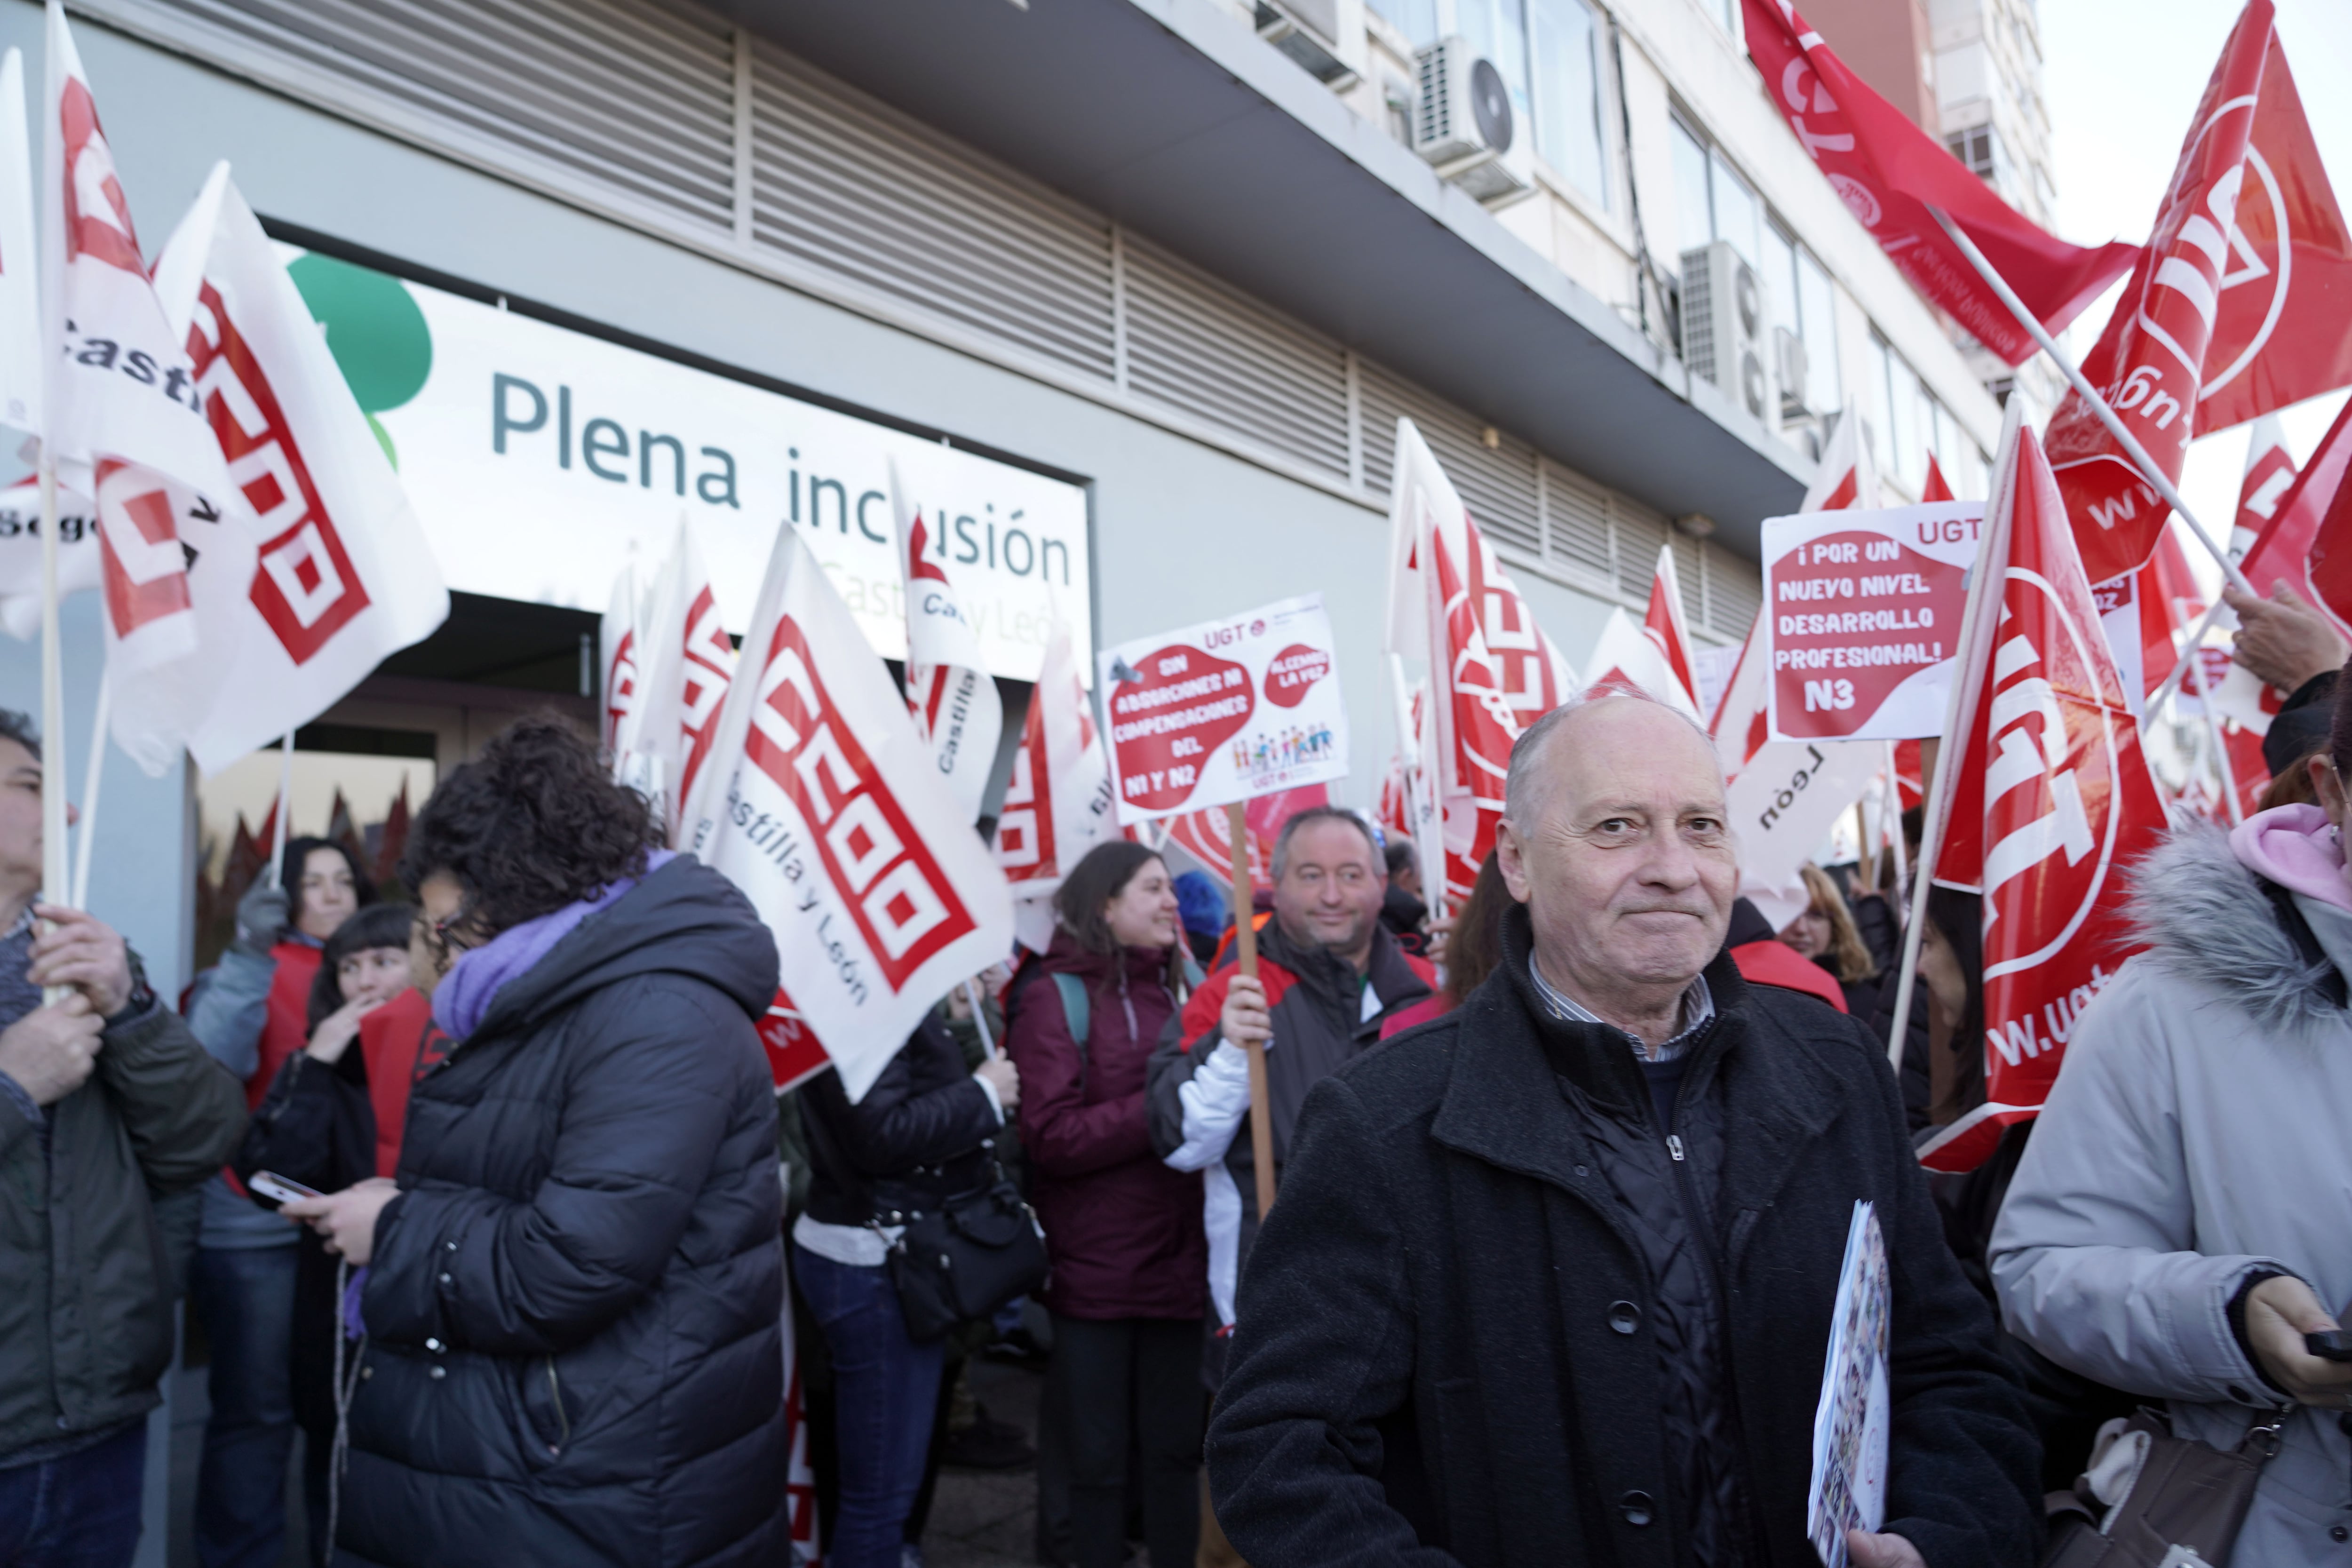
{"x": 1075, "y": 1011}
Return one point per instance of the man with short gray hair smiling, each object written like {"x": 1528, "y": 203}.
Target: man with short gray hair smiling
{"x": 1551, "y": 1278}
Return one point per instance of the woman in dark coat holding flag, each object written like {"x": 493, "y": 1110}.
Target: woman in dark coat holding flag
{"x": 573, "y": 1284}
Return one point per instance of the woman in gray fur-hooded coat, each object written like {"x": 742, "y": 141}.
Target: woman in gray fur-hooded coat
{"x": 2194, "y": 1149}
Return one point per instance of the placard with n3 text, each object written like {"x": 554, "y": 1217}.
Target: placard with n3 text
{"x": 1224, "y": 711}
{"x": 1864, "y": 611}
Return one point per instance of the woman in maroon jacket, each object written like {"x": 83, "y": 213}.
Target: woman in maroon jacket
{"x": 1123, "y": 1230}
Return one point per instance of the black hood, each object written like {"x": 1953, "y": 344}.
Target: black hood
{"x": 684, "y": 919}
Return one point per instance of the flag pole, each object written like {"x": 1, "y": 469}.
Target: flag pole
{"x": 2221, "y": 744}
{"x": 1895, "y": 810}
{"x": 285, "y": 810}
{"x": 1977, "y": 619}
{"x": 1246, "y": 960}
{"x": 979, "y": 1022}
{"x": 2098, "y": 405}
{"x": 55, "y": 886}
{"x": 86, "y": 836}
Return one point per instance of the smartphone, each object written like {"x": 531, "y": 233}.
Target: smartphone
{"x": 2333, "y": 1345}
{"x": 278, "y": 1189}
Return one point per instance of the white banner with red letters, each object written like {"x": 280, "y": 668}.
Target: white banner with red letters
{"x": 826, "y": 810}
{"x": 1221, "y": 712}
{"x": 1864, "y": 609}
{"x": 335, "y": 574}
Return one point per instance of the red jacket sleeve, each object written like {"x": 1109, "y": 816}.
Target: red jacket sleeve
{"x": 1061, "y": 1134}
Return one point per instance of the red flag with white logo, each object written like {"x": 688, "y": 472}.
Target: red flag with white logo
{"x": 2286, "y": 286}
{"x": 1057, "y": 802}
{"x": 1492, "y": 670}
{"x": 2294, "y": 541}
{"x": 1654, "y": 657}
{"x": 2151, "y": 359}
{"x": 2270, "y": 470}
{"x": 825, "y": 807}
{"x": 2049, "y": 803}
{"x": 2246, "y": 704}
{"x": 686, "y": 660}
{"x": 1937, "y": 488}
{"x": 949, "y": 691}
{"x": 321, "y": 572}
{"x": 1888, "y": 171}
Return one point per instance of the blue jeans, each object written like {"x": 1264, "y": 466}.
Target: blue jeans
{"x": 885, "y": 1388}
{"x": 244, "y": 1296}
{"x": 80, "y": 1511}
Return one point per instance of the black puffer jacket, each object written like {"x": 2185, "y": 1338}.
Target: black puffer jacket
{"x": 922, "y": 1134}
{"x": 573, "y": 1306}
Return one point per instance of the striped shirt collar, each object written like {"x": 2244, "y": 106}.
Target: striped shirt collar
{"x": 1697, "y": 1010}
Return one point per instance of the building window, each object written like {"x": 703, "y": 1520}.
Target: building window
{"x": 1817, "y": 316}
{"x": 1416, "y": 19}
{"x": 1908, "y": 424}
{"x": 1694, "y": 211}
{"x": 1979, "y": 149}
{"x": 1882, "y": 381}
{"x": 1738, "y": 215}
{"x": 1565, "y": 43}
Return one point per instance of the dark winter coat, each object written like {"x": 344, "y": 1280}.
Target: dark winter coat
{"x": 573, "y": 1306}
{"x": 1122, "y": 1230}
{"x": 86, "y": 1288}
{"x": 922, "y": 1134}
{"x": 1447, "y": 1347}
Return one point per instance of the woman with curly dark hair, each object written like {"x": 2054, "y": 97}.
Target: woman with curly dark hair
{"x": 573, "y": 1280}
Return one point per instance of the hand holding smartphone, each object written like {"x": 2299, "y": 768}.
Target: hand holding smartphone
{"x": 279, "y": 1189}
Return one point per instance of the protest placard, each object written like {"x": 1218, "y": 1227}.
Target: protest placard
{"x": 1862, "y": 608}
{"x": 1221, "y": 712}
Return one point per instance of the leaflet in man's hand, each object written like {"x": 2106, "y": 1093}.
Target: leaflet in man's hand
{"x": 1848, "y": 1490}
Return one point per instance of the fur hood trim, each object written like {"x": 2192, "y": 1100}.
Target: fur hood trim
{"x": 2204, "y": 916}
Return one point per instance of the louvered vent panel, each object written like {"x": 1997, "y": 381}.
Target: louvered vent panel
{"x": 1497, "y": 485}
{"x": 1735, "y": 592}
{"x": 1640, "y": 532}
{"x": 1196, "y": 345}
{"x": 854, "y": 189}
{"x": 1576, "y": 522}
{"x": 609, "y": 96}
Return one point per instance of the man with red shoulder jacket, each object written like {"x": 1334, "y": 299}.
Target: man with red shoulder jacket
{"x": 1327, "y": 974}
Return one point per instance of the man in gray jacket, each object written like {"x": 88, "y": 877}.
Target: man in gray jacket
{"x": 106, "y": 1103}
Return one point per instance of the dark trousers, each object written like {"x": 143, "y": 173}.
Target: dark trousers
{"x": 1122, "y": 1380}
{"x": 80, "y": 1511}
{"x": 244, "y": 1296}
{"x": 884, "y": 1389}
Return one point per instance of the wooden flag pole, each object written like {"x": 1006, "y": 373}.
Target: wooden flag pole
{"x": 55, "y": 888}
{"x": 86, "y": 832}
{"x": 1245, "y": 958}
{"x": 2089, "y": 395}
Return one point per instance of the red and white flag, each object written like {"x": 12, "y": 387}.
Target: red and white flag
{"x": 1888, "y": 171}
{"x": 1654, "y": 657}
{"x": 616, "y": 638}
{"x": 2270, "y": 468}
{"x": 2287, "y": 288}
{"x": 1937, "y": 488}
{"x": 1057, "y": 802}
{"x": 2307, "y": 543}
{"x": 2050, "y": 801}
{"x": 949, "y": 691}
{"x": 686, "y": 662}
{"x": 120, "y": 390}
{"x": 21, "y": 368}
{"x": 321, "y": 572}
{"x": 1207, "y": 836}
{"x": 2151, "y": 359}
{"x": 1492, "y": 670}
{"x": 825, "y": 809}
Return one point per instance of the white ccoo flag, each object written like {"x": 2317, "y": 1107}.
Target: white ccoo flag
{"x": 826, "y": 810}
{"x": 1057, "y": 803}
{"x": 618, "y": 679}
{"x": 322, "y": 571}
{"x": 21, "y": 369}
{"x": 954, "y": 702}
{"x": 684, "y": 661}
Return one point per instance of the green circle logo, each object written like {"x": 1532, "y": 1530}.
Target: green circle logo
{"x": 375, "y": 329}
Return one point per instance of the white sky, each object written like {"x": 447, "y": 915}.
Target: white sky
{"x": 2121, "y": 78}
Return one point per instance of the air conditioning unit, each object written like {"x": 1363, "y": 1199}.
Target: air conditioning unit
{"x": 1789, "y": 367}
{"x": 1304, "y": 29}
{"x": 1724, "y": 328}
{"x": 1463, "y": 125}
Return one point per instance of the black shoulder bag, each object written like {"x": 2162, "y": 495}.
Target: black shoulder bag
{"x": 958, "y": 1263}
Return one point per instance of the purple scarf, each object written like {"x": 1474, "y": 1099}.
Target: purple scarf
{"x": 464, "y": 996}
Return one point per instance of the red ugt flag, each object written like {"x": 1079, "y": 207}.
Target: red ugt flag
{"x": 2051, "y": 801}
{"x": 1888, "y": 171}
{"x": 2151, "y": 359}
